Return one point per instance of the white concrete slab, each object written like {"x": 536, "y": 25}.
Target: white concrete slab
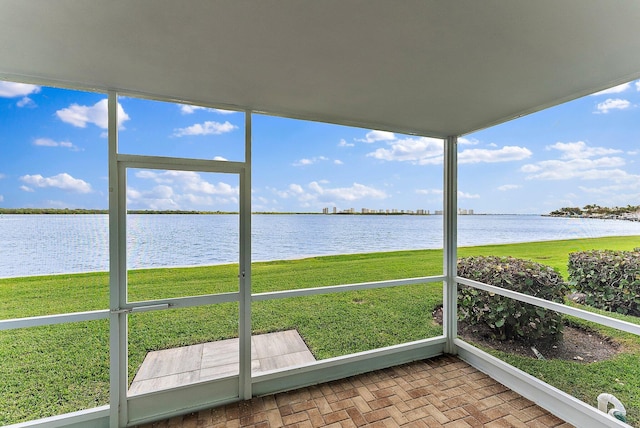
{"x": 174, "y": 367}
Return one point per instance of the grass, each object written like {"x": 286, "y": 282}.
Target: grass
{"x": 62, "y": 368}
{"x": 552, "y": 253}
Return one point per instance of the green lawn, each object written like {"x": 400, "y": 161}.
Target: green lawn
{"x": 61, "y": 368}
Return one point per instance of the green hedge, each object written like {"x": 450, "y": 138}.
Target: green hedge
{"x": 610, "y": 280}
{"x": 505, "y": 317}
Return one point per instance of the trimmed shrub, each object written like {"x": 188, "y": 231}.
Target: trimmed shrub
{"x": 509, "y": 319}
{"x": 610, "y": 280}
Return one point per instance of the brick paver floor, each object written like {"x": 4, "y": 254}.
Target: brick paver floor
{"x": 439, "y": 392}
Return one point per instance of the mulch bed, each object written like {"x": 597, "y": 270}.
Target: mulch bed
{"x": 577, "y": 344}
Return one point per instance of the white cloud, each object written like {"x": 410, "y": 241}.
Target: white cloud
{"x": 62, "y": 181}
{"x": 615, "y": 189}
{"x": 430, "y": 151}
{"x": 464, "y": 195}
{"x": 26, "y": 189}
{"x": 579, "y": 161}
{"x": 149, "y": 174}
{"x": 318, "y": 192}
{"x": 96, "y": 114}
{"x": 296, "y": 189}
{"x": 219, "y": 158}
{"x": 374, "y": 136}
{"x": 614, "y": 195}
{"x": 221, "y": 111}
{"x": 506, "y": 187}
{"x": 158, "y": 198}
{"x": 419, "y": 151}
{"x": 11, "y": 89}
{"x": 580, "y": 150}
{"x": 430, "y": 191}
{"x": 575, "y": 164}
{"x": 311, "y": 161}
{"x": 355, "y": 192}
{"x": 638, "y": 85}
{"x": 615, "y": 175}
{"x": 189, "y": 181}
{"x": 47, "y": 142}
{"x": 338, "y": 162}
{"x": 614, "y": 90}
{"x": 1, "y": 198}
{"x": 612, "y": 104}
{"x": 206, "y": 128}
{"x": 185, "y": 190}
{"x": 26, "y": 102}
{"x": 189, "y": 109}
{"x": 467, "y": 142}
{"x": 587, "y": 169}
{"x": 282, "y": 193}
{"x": 505, "y": 154}
{"x": 343, "y": 143}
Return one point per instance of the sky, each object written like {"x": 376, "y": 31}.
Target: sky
{"x": 53, "y": 154}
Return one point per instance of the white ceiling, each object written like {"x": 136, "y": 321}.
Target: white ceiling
{"x": 434, "y": 68}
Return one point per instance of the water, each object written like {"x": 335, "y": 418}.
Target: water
{"x": 47, "y": 244}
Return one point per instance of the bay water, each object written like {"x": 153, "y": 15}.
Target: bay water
{"x": 51, "y": 244}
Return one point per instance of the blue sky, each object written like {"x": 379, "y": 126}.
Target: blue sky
{"x": 53, "y": 153}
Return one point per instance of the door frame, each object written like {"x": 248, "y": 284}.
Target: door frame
{"x": 125, "y": 410}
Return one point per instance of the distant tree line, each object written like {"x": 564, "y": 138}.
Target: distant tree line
{"x": 96, "y": 211}
{"x": 594, "y": 210}
{"x": 51, "y": 211}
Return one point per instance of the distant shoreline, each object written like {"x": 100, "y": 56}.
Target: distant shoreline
{"x": 629, "y": 217}
{"x": 593, "y": 211}
{"x": 83, "y": 211}
{"x": 79, "y": 211}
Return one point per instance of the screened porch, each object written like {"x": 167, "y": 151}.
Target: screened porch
{"x": 419, "y": 69}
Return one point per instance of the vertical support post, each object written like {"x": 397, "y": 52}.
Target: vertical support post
{"x": 450, "y": 303}
{"x": 117, "y": 275}
{"x": 244, "y": 332}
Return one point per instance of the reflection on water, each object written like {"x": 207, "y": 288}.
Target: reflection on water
{"x": 46, "y": 244}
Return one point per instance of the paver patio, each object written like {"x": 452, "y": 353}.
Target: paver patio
{"x": 439, "y": 392}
